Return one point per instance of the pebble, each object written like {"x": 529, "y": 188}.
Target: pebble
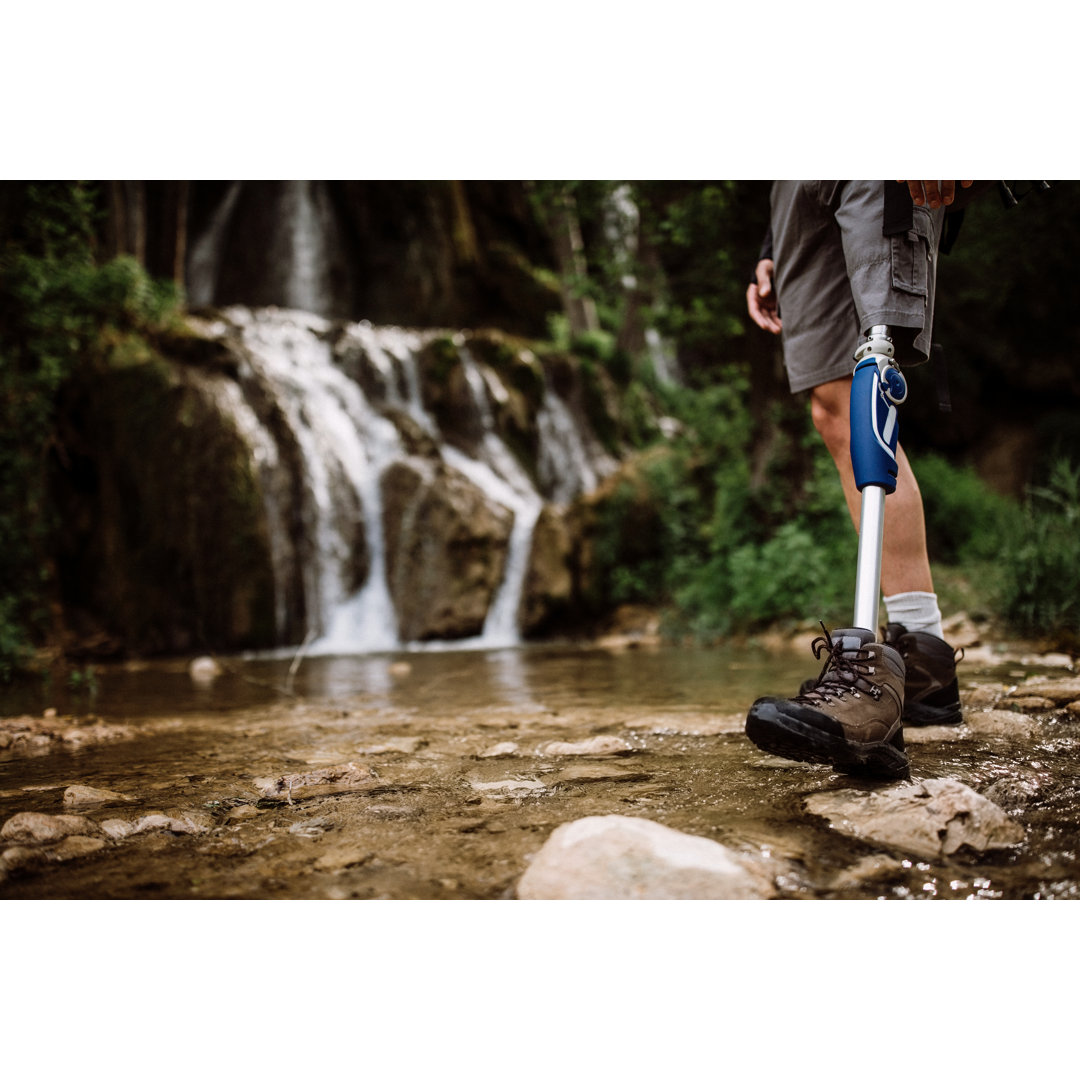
{"x": 508, "y": 787}
{"x": 178, "y": 821}
{"x": 78, "y": 795}
{"x": 598, "y": 746}
{"x": 318, "y": 782}
{"x": 30, "y": 827}
{"x": 204, "y": 669}
{"x": 403, "y": 745}
{"x": 612, "y": 857}
{"x": 503, "y": 749}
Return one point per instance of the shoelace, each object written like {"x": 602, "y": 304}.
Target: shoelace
{"x": 856, "y": 666}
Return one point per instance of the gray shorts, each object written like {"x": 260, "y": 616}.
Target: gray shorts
{"x": 836, "y": 276}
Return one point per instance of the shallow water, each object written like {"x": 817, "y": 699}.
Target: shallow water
{"x": 423, "y": 828}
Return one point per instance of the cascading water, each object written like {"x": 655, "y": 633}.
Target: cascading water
{"x": 345, "y": 440}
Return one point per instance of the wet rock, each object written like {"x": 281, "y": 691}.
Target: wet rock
{"x": 79, "y": 795}
{"x": 598, "y": 746}
{"x": 931, "y": 819}
{"x": 612, "y": 857}
{"x": 868, "y": 870}
{"x": 1013, "y": 792}
{"x": 74, "y": 847}
{"x": 511, "y": 787}
{"x": 54, "y": 732}
{"x": 177, "y": 821}
{"x": 981, "y": 695}
{"x": 503, "y": 749}
{"x": 342, "y": 855}
{"x": 594, "y": 774}
{"x": 1056, "y": 691}
{"x": 33, "y": 828}
{"x": 1031, "y": 703}
{"x": 703, "y": 724}
{"x": 445, "y": 550}
{"x": 328, "y": 781}
{"x": 71, "y": 847}
{"x": 117, "y": 828}
{"x": 548, "y": 590}
{"x": 936, "y": 733}
{"x": 403, "y": 745}
{"x": 204, "y": 670}
{"x": 312, "y": 827}
{"x": 998, "y": 722}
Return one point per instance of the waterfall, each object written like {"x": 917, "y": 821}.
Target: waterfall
{"x": 338, "y": 423}
{"x": 345, "y": 445}
{"x": 203, "y": 261}
{"x": 498, "y": 474}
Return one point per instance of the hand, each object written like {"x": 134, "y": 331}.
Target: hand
{"x": 934, "y": 192}
{"x": 761, "y": 298}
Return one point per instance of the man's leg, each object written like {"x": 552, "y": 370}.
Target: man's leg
{"x": 905, "y": 563}
{"x": 932, "y": 694}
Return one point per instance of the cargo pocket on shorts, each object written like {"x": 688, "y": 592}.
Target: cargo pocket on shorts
{"x": 910, "y": 255}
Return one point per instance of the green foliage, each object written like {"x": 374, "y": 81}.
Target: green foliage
{"x": 965, "y": 519}
{"x": 1040, "y": 589}
{"x": 59, "y": 312}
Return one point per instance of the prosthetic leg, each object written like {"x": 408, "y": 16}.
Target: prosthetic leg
{"x": 850, "y": 717}
{"x": 877, "y": 389}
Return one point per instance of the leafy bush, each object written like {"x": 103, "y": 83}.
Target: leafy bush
{"x": 59, "y": 311}
{"x": 965, "y": 519}
{"x": 1040, "y": 590}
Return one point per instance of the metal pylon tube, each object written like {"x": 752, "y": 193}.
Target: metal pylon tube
{"x": 868, "y": 569}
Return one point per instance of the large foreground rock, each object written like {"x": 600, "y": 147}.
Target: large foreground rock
{"x": 931, "y": 819}
{"x": 613, "y": 857}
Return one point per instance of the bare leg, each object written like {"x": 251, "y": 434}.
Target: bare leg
{"x": 905, "y": 563}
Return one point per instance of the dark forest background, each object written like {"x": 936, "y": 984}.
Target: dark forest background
{"x": 729, "y": 518}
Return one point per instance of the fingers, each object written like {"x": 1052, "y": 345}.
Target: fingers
{"x": 762, "y": 309}
{"x": 933, "y": 193}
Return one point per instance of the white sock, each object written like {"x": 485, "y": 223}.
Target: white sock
{"x": 915, "y": 611}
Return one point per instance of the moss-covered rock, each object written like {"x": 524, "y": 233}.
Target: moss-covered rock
{"x": 162, "y": 543}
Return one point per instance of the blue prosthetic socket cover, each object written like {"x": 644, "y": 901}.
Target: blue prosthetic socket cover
{"x": 874, "y": 427}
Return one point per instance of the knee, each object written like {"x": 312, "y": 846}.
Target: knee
{"x": 829, "y": 411}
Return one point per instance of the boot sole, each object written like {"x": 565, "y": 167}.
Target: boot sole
{"x": 772, "y": 726}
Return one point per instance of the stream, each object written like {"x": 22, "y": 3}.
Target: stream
{"x": 438, "y": 774}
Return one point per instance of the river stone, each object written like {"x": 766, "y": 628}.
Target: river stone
{"x": 931, "y": 819}
{"x": 446, "y": 548}
{"x": 998, "y": 722}
{"x": 347, "y": 777}
{"x": 510, "y": 787}
{"x": 32, "y": 828}
{"x": 503, "y": 749}
{"x": 1056, "y": 691}
{"x": 79, "y": 795}
{"x": 935, "y": 733}
{"x": 613, "y": 857}
{"x": 690, "y": 724}
{"x": 177, "y": 821}
{"x": 118, "y": 828}
{"x": 598, "y": 746}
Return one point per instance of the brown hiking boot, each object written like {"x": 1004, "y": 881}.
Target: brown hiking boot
{"x": 850, "y": 718}
{"x": 931, "y": 690}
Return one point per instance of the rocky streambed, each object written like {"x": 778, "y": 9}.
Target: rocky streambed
{"x": 549, "y": 772}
